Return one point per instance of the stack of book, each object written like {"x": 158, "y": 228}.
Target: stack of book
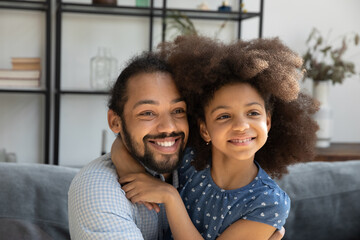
{"x": 25, "y": 72}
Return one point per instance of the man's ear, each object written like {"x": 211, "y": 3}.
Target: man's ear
{"x": 204, "y": 132}
{"x": 114, "y": 121}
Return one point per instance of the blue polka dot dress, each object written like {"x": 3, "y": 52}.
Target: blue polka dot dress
{"x": 213, "y": 209}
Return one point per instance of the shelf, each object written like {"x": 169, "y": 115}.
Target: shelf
{"x": 338, "y": 152}
{"x": 156, "y": 12}
{"x": 84, "y": 92}
{"x": 24, "y": 5}
{"x": 24, "y": 90}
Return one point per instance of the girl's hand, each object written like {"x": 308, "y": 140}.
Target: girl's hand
{"x": 143, "y": 188}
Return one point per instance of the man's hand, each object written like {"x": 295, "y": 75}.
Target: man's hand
{"x": 278, "y": 235}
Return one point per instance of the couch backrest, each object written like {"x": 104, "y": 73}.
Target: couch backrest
{"x": 33, "y": 201}
{"x": 325, "y": 200}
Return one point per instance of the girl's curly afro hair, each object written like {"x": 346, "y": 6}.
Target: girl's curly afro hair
{"x": 202, "y": 65}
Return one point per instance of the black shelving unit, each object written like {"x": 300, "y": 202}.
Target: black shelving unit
{"x": 44, "y": 6}
{"x": 145, "y": 12}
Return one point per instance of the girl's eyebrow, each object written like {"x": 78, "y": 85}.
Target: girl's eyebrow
{"x": 220, "y": 107}
{"x": 227, "y": 107}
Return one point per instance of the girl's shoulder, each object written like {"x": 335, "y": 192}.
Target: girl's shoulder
{"x": 268, "y": 203}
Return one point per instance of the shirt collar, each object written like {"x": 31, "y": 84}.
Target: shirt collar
{"x": 175, "y": 177}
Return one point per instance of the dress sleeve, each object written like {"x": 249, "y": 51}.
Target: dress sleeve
{"x": 98, "y": 209}
{"x": 271, "y": 207}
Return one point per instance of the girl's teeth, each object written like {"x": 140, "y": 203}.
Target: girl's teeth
{"x": 243, "y": 141}
{"x": 165, "y": 144}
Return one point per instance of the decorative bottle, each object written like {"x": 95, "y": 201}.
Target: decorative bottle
{"x": 99, "y": 70}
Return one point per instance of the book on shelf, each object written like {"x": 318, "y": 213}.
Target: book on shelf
{"x": 8, "y": 74}
{"x": 25, "y": 63}
{"x": 19, "y": 83}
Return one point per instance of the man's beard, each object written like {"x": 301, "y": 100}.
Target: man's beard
{"x": 165, "y": 165}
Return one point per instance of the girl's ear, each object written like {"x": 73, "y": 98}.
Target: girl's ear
{"x": 114, "y": 121}
{"x": 204, "y": 132}
{"x": 268, "y": 121}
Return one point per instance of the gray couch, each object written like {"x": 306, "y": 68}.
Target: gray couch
{"x": 325, "y": 201}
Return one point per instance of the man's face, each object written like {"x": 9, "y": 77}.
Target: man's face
{"x": 154, "y": 121}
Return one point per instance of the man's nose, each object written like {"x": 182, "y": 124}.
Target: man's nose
{"x": 166, "y": 124}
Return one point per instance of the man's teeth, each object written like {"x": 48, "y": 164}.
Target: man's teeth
{"x": 242, "y": 141}
{"x": 166, "y": 144}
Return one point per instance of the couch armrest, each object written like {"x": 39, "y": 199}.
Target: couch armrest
{"x": 33, "y": 201}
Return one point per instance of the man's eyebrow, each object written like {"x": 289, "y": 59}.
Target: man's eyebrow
{"x": 142, "y": 102}
{"x": 180, "y": 99}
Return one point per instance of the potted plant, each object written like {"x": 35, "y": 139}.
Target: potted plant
{"x": 325, "y": 64}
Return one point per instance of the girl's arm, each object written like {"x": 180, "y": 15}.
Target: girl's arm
{"x": 145, "y": 188}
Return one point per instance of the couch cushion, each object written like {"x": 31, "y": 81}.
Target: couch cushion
{"x": 325, "y": 200}
{"x": 33, "y": 201}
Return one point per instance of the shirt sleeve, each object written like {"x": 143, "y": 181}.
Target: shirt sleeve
{"x": 271, "y": 207}
{"x": 98, "y": 209}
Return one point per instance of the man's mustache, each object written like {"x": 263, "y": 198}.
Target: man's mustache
{"x": 164, "y": 135}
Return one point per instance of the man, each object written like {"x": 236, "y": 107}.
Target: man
{"x": 149, "y": 115}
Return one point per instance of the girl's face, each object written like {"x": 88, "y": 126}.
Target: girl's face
{"x": 236, "y": 122}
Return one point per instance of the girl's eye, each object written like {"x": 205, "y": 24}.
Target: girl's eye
{"x": 254, "y": 113}
{"x": 223, "y": 117}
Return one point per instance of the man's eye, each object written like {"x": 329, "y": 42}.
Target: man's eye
{"x": 148, "y": 113}
{"x": 179, "y": 111}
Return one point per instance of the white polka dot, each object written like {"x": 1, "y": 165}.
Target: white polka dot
{"x": 276, "y": 203}
{"x": 201, "y": 184}
{"x": 229, "y": 212}
{"x": 276, "y": 214}
{"x": 275, "y": 225}
{"x": 188, "y": 206}
{"x": 215, "y": 228}
{"x": 209, "y": 185}
{"x": 193, "y": 189}
{"x": 262, "y": 214}
{"x": 197, "y": 221}
{"x": 203, "y": 193}
{"x": 235, "y": 198}
{"x": 279, "y": 221}
{"x": 214, "y": 217}
{"x": 250, "y": 190}
{"x": 222, "y": 216}
{"x": 198, "y": 209}
{"x": 206, "y": 226}
{"x": 263, "y": 204}
{"x": 266, "y": 193}
{"x": 253, "y": 198}
{"x": 208, "y": 214}
{"x": 228, "y": 207}
{"x": 202, "y": 176}
{"x": 209, "y": 236}
{"x": 245, "y": 217}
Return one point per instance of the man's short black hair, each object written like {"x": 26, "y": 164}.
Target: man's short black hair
{"x": 147, "y": 62}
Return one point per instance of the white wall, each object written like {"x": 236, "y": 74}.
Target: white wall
{"x": 84, "y": 117}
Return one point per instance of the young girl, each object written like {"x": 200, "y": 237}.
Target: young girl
{"x": 244, "y": 100}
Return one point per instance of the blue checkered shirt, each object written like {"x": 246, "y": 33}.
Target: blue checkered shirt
{"x": 99, "y": 209}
